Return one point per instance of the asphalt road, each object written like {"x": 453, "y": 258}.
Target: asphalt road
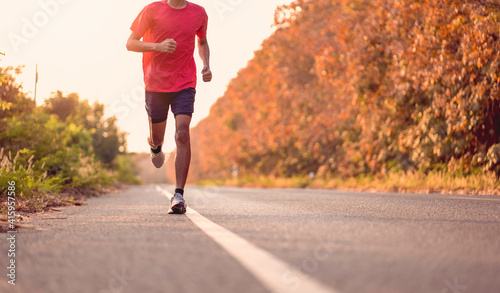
{"x": 252, "y": 240}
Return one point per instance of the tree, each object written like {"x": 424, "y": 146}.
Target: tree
{"x": 107, "y": 140}
{"x": 13, "y": 101}
{"x": 348, "y": 87}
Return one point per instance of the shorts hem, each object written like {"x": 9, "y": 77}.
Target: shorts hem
{"x": 159, "y": 120}
{"x": 182, "y": 113}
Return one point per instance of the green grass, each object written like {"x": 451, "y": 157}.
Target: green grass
{"x": 36, "y": 191}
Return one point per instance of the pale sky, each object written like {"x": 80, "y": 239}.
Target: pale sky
{"x": 79, "y": 46}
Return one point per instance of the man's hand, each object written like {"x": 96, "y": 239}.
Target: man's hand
{"x": 207, "y": 74}
{"x": 167, "y": 46}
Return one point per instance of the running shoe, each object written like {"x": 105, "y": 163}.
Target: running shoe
{"x": 177, "y": 204}
{"x": 157, "y": 159}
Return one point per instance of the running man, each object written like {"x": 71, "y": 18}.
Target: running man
{"x": 168, "y": 30}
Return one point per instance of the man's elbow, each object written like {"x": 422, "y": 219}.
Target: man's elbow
{"x": 202, "y": 42}
{"x": 132, "y": 44}
{"x": 129, "y": 45}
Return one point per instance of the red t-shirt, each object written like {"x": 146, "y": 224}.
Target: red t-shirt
{"x": 159, "y": 21}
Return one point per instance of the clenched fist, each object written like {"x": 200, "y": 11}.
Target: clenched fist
{"x": 207, "y": 74}
{"x": 167, "y": 46}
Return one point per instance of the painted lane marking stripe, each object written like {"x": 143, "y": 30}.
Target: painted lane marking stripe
{"x": 269, "y": 270}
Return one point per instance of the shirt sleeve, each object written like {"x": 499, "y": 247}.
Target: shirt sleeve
{"x": 202, "y": 31}
{"x": 143, "y": 22}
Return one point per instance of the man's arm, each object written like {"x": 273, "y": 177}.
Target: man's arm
{"x": 204, "y": 51}
{"x": 135, "y": 44}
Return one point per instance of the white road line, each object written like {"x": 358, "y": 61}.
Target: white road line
{"x": 273, "y": 273}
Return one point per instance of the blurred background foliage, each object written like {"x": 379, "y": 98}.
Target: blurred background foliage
{"x": 64, "y": 145}
{"x": 362, "y": 88}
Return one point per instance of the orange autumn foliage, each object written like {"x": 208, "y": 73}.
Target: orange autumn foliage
{"x": 350, "y": 87}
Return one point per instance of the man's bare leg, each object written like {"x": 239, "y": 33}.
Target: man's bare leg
{"x": 155, "y": 140}
{"x": 183, "y": 157}
{"x": 157, "y": 133}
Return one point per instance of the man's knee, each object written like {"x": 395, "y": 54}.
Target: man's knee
{"x": 182, "y": 135}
